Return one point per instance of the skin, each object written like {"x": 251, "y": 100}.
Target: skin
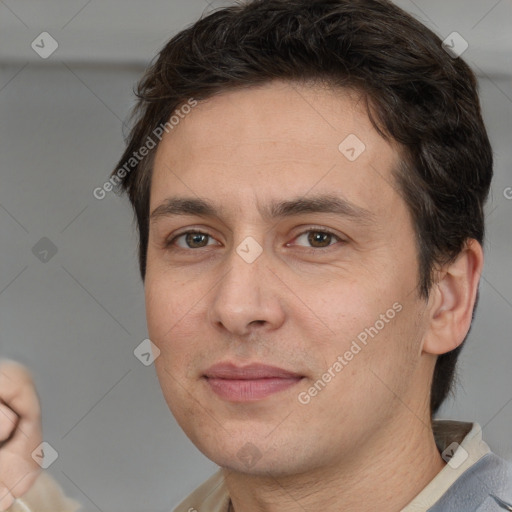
{"x": 20, "y": 431}
{"x": 366, "y": 436}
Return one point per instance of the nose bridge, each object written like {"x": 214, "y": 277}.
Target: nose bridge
{"x": 243, "y": 282}
{"x": 242, "y": 297}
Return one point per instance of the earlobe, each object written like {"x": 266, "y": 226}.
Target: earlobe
{"x": 453, "y": 299}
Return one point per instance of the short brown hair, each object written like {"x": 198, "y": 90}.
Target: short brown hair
{"x": 416, "y": 94}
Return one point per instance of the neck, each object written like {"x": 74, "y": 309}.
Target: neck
{"x": 391, "y": 469}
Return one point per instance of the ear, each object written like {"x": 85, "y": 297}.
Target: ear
{"x": 452, "y": 300}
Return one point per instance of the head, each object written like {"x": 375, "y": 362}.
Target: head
{"x": 266, "y": 98}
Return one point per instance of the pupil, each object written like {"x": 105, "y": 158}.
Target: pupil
{"x": 318, "y": 239}
{"x": 196, "y": 239}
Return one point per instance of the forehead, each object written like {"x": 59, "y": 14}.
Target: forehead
{"x": 279, "y": 139}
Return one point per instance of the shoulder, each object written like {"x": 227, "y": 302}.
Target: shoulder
{"x": 211, "y": 495}
{"x": 487, "y": 484}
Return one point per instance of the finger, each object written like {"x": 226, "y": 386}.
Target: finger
{"x": 6, "y": 498}
{"x": 18, "y": 481}
{"x": 8, "y": 421}
{"x": 17, "y": 390}
{"x": 18, "y": 474}
{"x": 18, "y": 470}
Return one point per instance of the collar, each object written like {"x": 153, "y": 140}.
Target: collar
{"x": 459, "y": 442}
{"x": 461, "y": 446}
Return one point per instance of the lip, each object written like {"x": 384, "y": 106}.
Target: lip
{"x": 248, "y": 372}
{"x": 250, "y": 382}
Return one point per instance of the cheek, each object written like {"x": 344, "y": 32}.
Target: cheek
{"x": 370, "y": 324}
{"x": 177, "y": 315}
{"x": 345, "y": 306}
{"x": 158, "y": 310}
{"x": 168, "y": 303}
{"x": 170, "y": 321}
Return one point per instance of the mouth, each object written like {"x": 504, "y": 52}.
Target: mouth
{"x": 249, "y": 383}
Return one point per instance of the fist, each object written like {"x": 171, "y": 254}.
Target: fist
{"x": 20, "y": 431}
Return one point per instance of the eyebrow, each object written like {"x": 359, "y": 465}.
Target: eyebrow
{"x": 274, "y": 210}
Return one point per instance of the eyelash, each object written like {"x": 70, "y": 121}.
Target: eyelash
{"x": 169, "y": 243}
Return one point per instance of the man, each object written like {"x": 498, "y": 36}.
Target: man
{"x": 308, "y": 179}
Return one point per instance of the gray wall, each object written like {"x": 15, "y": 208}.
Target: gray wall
{"x": 76, "y": 318}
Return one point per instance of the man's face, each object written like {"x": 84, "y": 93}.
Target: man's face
{"x": 269, "y": 278}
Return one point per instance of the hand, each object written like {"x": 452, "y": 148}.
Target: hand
{"x": 20, "y": 431}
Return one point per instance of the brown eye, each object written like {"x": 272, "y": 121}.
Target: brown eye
{"x": 319, "y": 238}
{"x": 191, "y": 240}
{"x": 194, "y": 240}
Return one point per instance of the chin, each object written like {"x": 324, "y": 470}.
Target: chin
{"x": 251, "y": 456}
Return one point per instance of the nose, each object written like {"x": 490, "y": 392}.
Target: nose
{"x": 246, "y": 297}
